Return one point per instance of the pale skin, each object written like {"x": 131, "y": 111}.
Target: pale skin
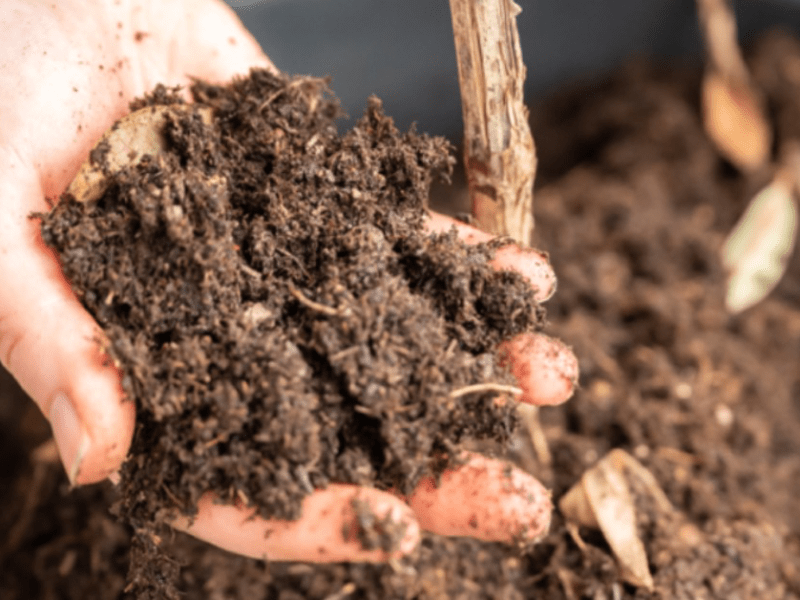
{"x": 69, "y": 70}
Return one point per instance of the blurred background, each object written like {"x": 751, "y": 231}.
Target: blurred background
{"x": 402, "y": 50}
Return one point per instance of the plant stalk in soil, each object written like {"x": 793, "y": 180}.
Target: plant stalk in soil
{"x": 499, "y": 155}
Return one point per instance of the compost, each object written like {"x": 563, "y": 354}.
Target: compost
{"x": 633, "y": 203}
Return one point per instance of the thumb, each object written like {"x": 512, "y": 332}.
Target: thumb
{"x": 50, "y": 344}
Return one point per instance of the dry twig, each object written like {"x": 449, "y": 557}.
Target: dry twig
{"x": 499, "y": 154}
{"x": 326, "y": 310}
{"x": 485, "y": 387}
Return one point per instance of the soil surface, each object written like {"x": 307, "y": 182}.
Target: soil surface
{"x": 634, "y": 204}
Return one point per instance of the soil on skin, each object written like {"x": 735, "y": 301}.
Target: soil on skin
{"x": 634, "y": 204}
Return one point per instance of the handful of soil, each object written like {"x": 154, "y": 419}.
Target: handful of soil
{"x": 278, "y": 311}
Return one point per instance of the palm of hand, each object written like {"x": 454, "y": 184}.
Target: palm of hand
{"x": 79, "y": 66}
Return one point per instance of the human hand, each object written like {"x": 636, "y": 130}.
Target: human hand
{"x": 485, "y": 498}
{"x": 80, "y": 65}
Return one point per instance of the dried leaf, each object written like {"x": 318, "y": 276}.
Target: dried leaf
{"x": 733, "y": 109}
{"x": 602, "y": 500}
{"x": 757, "y": 250}
{"x": 135, "y": 135}
{"x": 735, "y": 122}
{"x": 576, "y": 507}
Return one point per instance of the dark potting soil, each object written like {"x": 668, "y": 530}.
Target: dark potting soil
{"x": 633, "y": 203}
{"x": 278, "y": 311}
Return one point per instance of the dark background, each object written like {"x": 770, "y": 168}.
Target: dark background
{"x": 402, "y": 50}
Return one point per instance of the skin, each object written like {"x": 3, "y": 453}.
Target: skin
{"x": 76, "y": 65}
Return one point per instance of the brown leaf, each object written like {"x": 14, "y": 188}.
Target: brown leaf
{"x": 602, "y": 500}
{"x": 135, "y": 135}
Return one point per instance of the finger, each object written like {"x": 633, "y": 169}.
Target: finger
{"x": 333, "y": 524}
{"x": 48, "y": 342}
{"x": 486, "y": 499}
{"x": 545, "y": 368}
{"x": 528, "y": 262}
{"x": 218, "y": 46}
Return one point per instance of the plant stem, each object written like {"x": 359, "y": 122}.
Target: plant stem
{"x": 499, "y": 155}
{"x": 718, "y": 22}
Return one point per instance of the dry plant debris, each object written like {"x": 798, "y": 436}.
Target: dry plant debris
{"x": 756, "y": 251}
{"x": 733, "y": 108}
{"x": 602, "y": 500}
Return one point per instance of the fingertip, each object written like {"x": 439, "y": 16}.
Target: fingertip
{"x": 532, "y": 264}
{"x": 545, "y": 368}
{"x": 378, "y": 526}
{"x": 486, "y": 499}
{"x": 92, "y": 423}
{"x": 108, "y": 433}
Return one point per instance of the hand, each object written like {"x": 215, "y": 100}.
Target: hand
{"x": 79, "y": 63}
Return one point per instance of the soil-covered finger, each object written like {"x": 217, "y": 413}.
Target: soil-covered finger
{"x": 530, "y": 263}
{"x": 339, "y": 523}
{"x": 486, "y": 499}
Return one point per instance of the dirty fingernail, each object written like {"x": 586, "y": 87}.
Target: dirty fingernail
{"x": 385, "y": 524}
{"x": 71, "y": 440}
{"x": 530, "y": 263}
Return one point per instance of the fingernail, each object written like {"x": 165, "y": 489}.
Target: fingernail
{"x": 72, "y": 441}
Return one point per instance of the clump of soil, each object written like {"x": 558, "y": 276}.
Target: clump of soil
{"x": 278, "y": 311}
{"x": 634, "y": 203}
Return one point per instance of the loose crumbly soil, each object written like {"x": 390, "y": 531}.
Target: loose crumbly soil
{"x": 279, "y": 313}
{"x": 633, "y": 203}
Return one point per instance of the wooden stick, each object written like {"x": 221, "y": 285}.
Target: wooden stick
{"x": 499, "y": 155}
